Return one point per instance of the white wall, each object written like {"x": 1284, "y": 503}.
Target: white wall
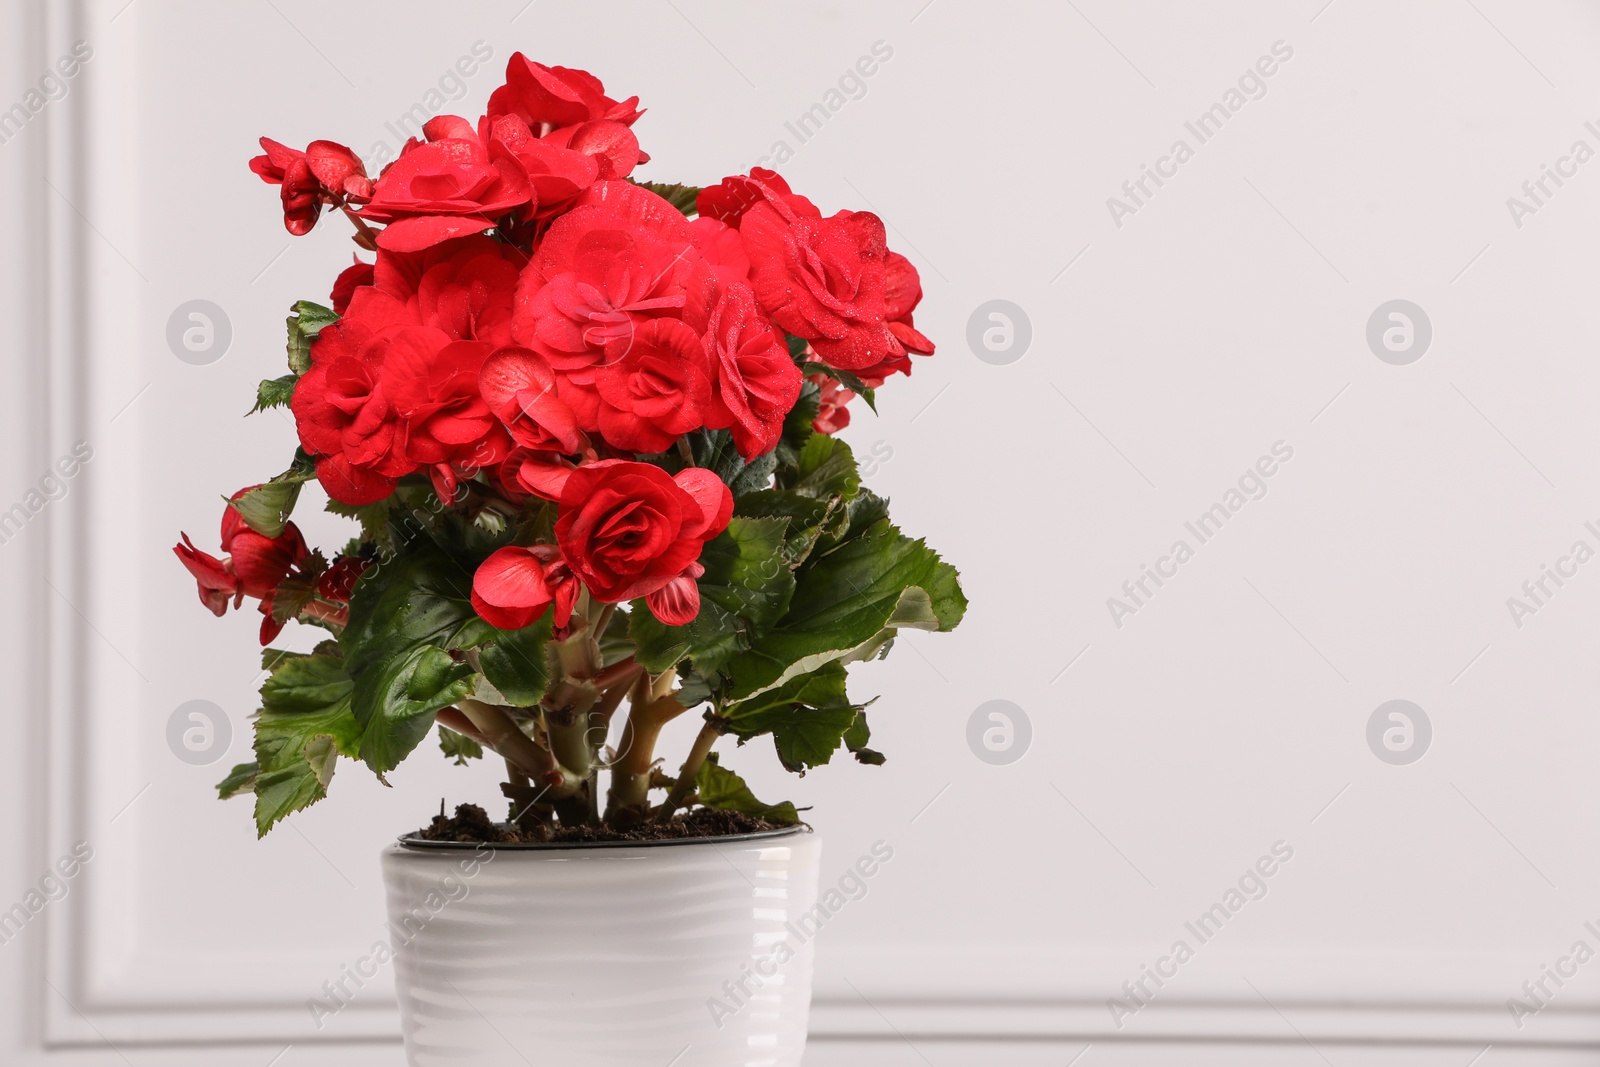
{"x": 1227, "y": 313}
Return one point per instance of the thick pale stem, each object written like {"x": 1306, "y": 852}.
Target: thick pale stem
{"x": 630, "y": 775}
{"x": 462, "y": 725}
{"x": 622, "y": 672}
{"x": 703, "y": 742}
{"x": 600, "y": 715}
{"x": 501, "y": 733}
{"x": 602, "y": 619}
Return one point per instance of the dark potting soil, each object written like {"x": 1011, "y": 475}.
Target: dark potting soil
{"x": 472, "y": 824}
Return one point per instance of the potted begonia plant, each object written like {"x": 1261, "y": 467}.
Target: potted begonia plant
{"x": 585, "y": 425}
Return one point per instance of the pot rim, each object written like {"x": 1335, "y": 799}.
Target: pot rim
{"x": 411, "y": 842}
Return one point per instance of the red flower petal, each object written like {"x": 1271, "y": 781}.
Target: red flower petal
{"x": 712, "y": 497}
{"x": 415, "y": 234}
{"x": 509, "y": 590}
{"x": 678, "y": 602}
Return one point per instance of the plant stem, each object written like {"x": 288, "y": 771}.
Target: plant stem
{"x": 685, "y": 452}
{"x": 602, "y": 619}
{"x": 624, "y": 670}
{"x": 703, "y": 742}
{"x": 366, "y": 236}
{"x": 630, "y": 775}
{"x": 462, "y": 725}
{"x": 501, "y": 733}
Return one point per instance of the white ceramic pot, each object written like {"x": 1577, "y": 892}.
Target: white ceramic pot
{"x": 690, "y": 953}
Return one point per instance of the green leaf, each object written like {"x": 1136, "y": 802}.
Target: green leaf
{"x": 856, "y": 738}
{"x": 306, "y": 320}
{"x": 797, "y": 349}
{"x": 267, "y": 507}
{"x": 847, "y": 603}
{"x": 615, "y": 643}
{"x": 272, "y": 658}
{"x": 808, "y": 517}
{"x": 459, "y": 747}
{"x": 514, "y": 662}
{"x": 313, "y": 317}
{"x": 406, "y": 615}
{"x": 274, "y": 393}
{"x": 304, "y": 724}
{"x": 242, "y": 779}
{"x": 681, "y": 197}
{"x": 797, "y": 428}
{"x": 745, "y": 589}
{"x": 807, "y": 716}
{"x": 374, "y": 520}
{"x": 297, "y": 589}
{"x": 722, "y": 789}
{"x": 826, "y": 468}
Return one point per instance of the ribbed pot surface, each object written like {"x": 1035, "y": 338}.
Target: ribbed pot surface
{"x": 693, "y": 954}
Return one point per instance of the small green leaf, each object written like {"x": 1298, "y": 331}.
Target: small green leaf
{"x": 797, "y": 425}
{"x": 305, "y": 322}
{"x": 274, "y": 393}
{"x": 242, "y": 779}
{"x": 267, "y": 507}
{"x": 405, "y": 618}
{"x": 724, "y": 790}
{"x": 826, "y": 468}
{"x": 808, "y": 716}
{"x": 514, "y": 662}
{"x": 304, "y": 724}
{"x": 856, "y": 738}
{"x": 312, "y": 317}
{"x": 808, "y": 518}
{"x": 459, "y": 747}
{"x": 374, "y": 519}
{"x": 847, "y": 604}
{"x": 681, "y": 197}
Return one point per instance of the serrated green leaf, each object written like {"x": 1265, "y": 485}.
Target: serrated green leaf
{"x": 240, "y": 780}
{"x": 304, "y": 724}
{"x": 515, "y": 664}
{"x": 274, "y": 393}
{"x": 458, "y": 747}
{"x": 807, "y": 517}
{"x": 405, "y": 616}
{"x": 720, "y": 788}
{"x": 745, "y": 589}
{"x": 826, "y": 468}
{"x": 808, "y": 716}
{"x": 847, "y": 603}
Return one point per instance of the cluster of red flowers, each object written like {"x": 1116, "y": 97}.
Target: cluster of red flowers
{"x": 534, "y": 320}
